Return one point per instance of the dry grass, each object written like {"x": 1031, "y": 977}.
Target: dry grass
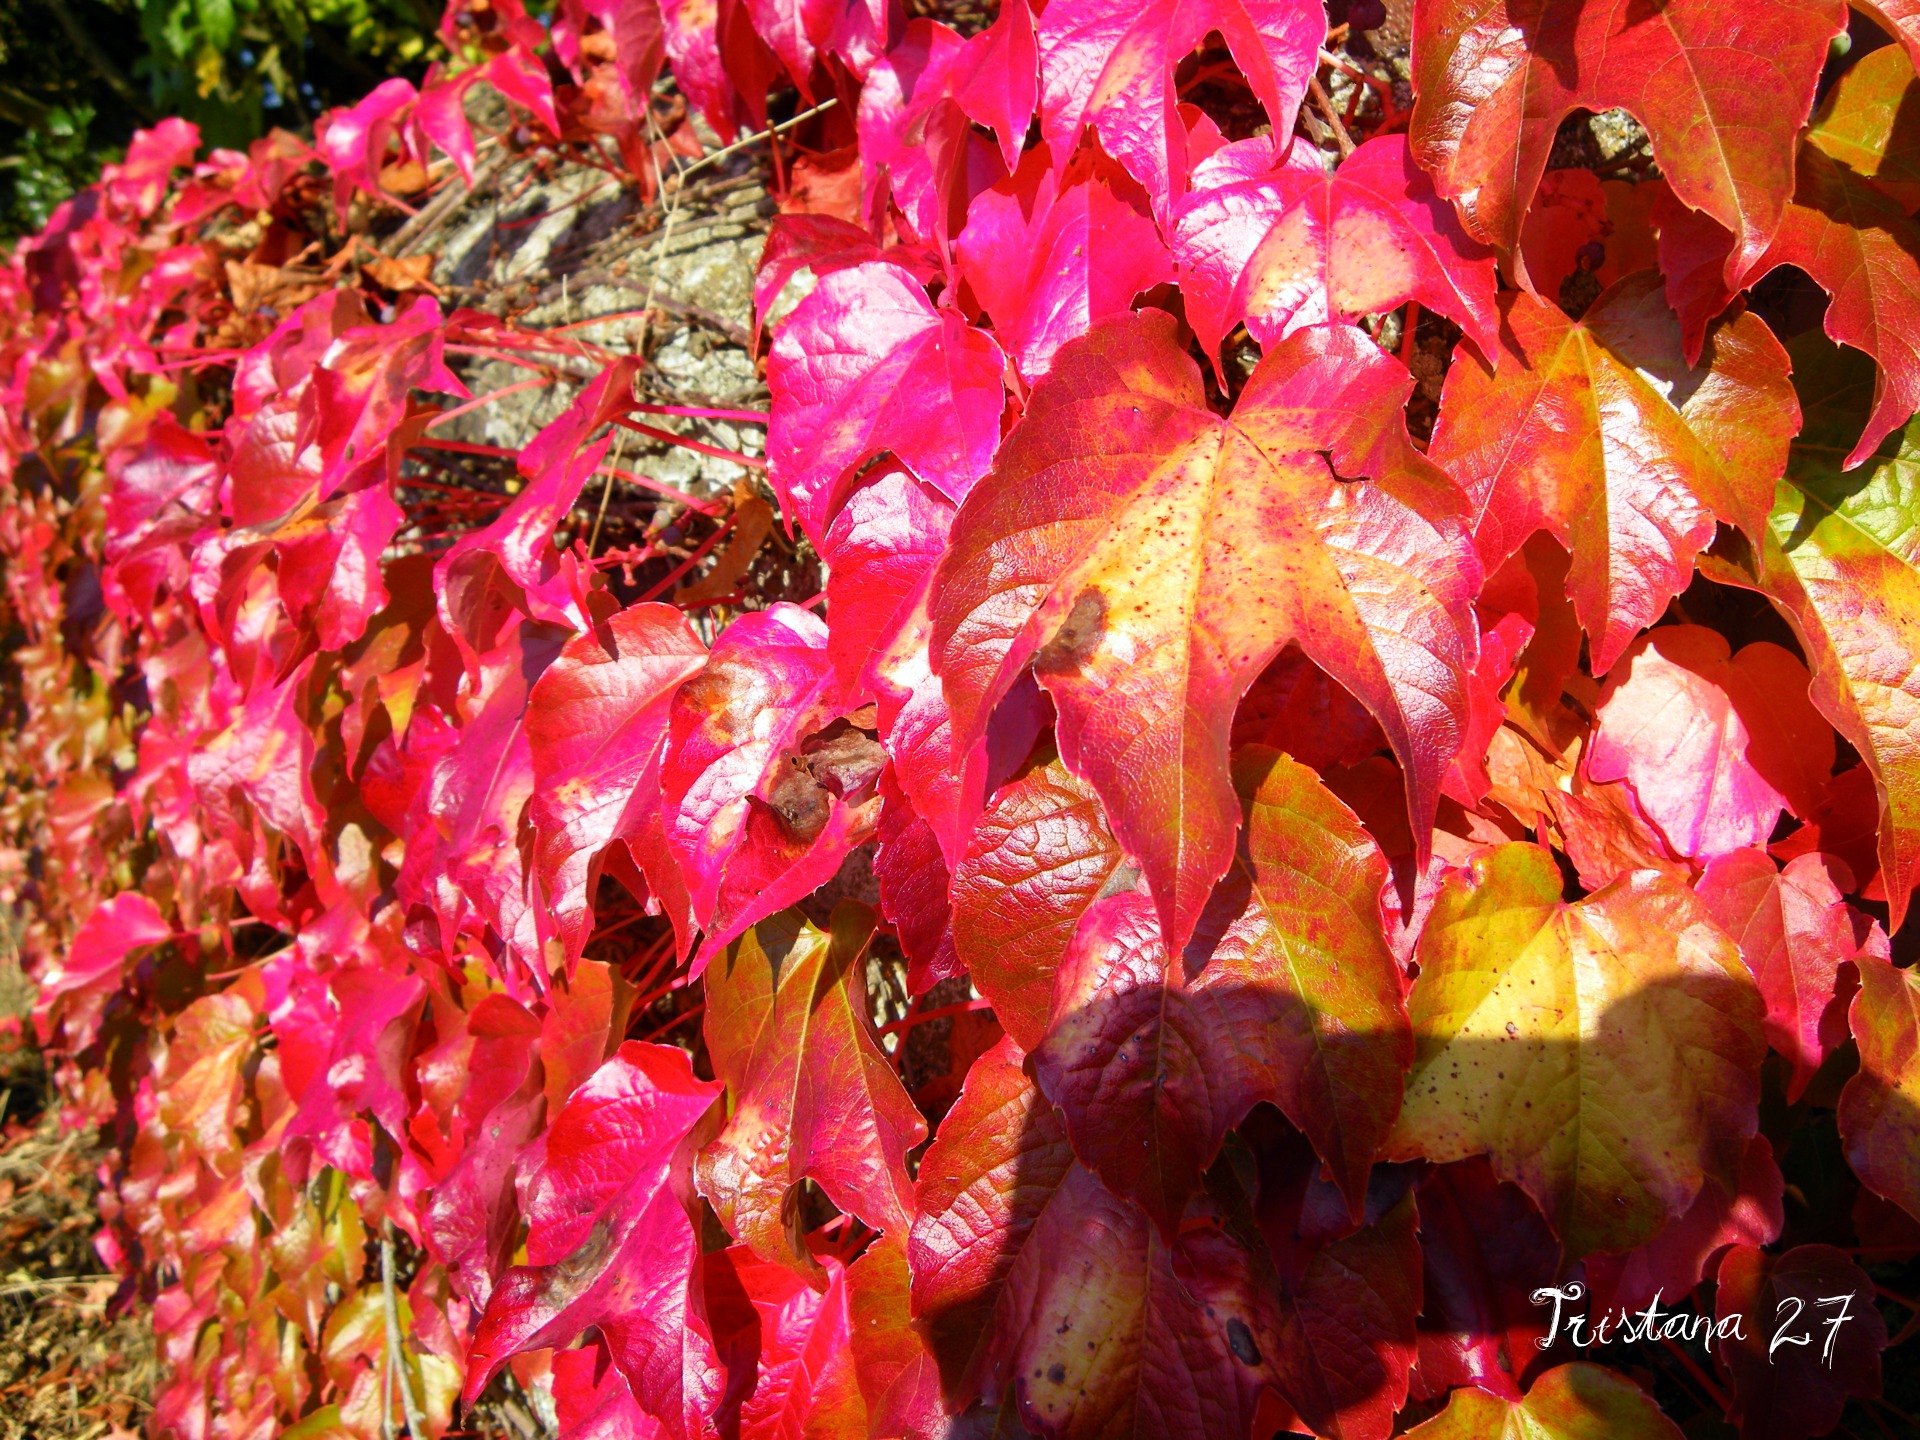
{"x": 69, "y": 1368}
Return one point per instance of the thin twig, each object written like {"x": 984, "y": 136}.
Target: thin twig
{"x": 606, "y": 486}
{"x": 1331, "y": 114}
{"x": 416, "y": 1422}
{"x": 744, "y": 141}
{"x": 401, "y": 242}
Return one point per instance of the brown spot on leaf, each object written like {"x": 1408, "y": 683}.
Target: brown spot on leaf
{"x": 1075, "y": 641}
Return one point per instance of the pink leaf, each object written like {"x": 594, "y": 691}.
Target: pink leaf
{"x": 1046, "y": 253}
{"x": 759, "y": 809}
{"x": 610, "y": 1244}
{"x": 1714, "y": 745}
{"x": 1111, "y": 67}
{"x": 75, "y": 990}
{"x": 596, "y": 720}
{"x": 1795, "y": 933}
{"x": 841, "y": 390}
{"x": 1292, "y": 248}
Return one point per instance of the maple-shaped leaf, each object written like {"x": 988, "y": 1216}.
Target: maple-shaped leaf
{"x": 1807, "y": 1337}
{"x": 1484, "y": 1249}
{"x": 1842, "y": 558}
{"x": 1553, "y": 1038}
{"x": 1111, "y": 68}
{"x": 1034, "y": 1283}
{"x": 811, "y": 1093}
{"x": 760, "y": 804}
{"x": 1688, "y": 1249}
{"x": 1288, "y": 993}
{"x": 1573, "y": 1402}
{"x": 1861, "y": 125}
{"x": 1296, "y": 247}
{"x": 1880, "y": 1107}
{"x": 610, "y": 1244}
{"x": 1149, "y": 558}
{"x": 1040, "y": 856}
{"x": 864, "y": 364}
{"x": 596, "y": 720}
{"x": 1596, "y": 431}
{"x": 1086, "y": 253}
{"x": 1723, "y": 94}
{"x": 1714, "y": 744}
{"x": 1795, "y": 933}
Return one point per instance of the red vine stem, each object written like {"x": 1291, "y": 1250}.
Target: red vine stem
{"x": 689, "y": 562}
{"x": 537, "y": 382}
{"x": 652, "y": 432}
{"x": 1705, "y": 1381}
{"x": 908, "y": 1022}
{"x": 674, "y": 492}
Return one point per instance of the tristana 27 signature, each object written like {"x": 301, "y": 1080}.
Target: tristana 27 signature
{"x": 1626, "y": 1327}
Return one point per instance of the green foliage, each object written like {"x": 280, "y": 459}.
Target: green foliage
{"x": 77, "y": 77}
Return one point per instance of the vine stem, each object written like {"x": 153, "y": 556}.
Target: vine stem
{"x": 416, "y": 1422}
{"x": 1705, "y": 1380}
{"x": 942, "y": 1012}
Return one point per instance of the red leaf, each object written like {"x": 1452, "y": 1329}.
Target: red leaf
{"x": 592, "y": 1400}
{"x": 596, "y": 720}
{"x": 913, "y": 879}
{"x": 1580, "y": 223}
{"x": 1296, "y": 707}
{"x": 609, "y": 1243}
{"x": 1677, "y": 1259}
{"x": 1039, "y": 858}
{"x": 1035, "y": 1284}
{"x": 555, "y": 465}
{"x": 1596, "y": 432}
{"x": 1485, "y": 1249}
{"x": 1791, "y": 1364}
{"x": 805, "y": 1383}
{"x": 1843, "y": 827}
{"x": 985, "y": 1180}
{"x": 1494, "y": 81}
{"x": 1859, "y": 246}
{"x": 838, "y": 375}
{"x": 812, "y": 1095}
{"x": 1126, "y": 546}
{"x": 880, "y": 552}
{"x": 1713, "y": 746}
{"x": 1293, "y": 247}
{"x": 1795, "y": 933}
{"x": 1047, "y": 252}
{"x": 1288, "y": 994}
{"x": 76, "y": 988}
{"x": 1879, "y": 1119}
{"x": 1112, "y": 68}
{"x": 1348, "y": 1293}
{"x": 755, "y": 820}
{"x": 896, "y": 1371}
